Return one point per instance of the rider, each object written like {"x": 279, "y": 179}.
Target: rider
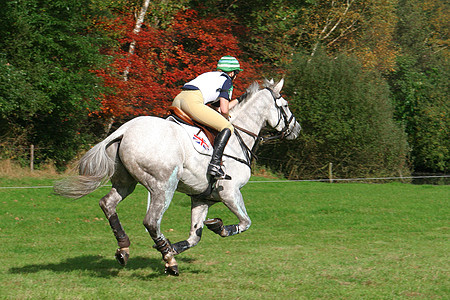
{"x": 212, "y": 88}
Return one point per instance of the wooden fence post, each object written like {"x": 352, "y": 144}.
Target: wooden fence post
{"x": 32, "y": 157}
{"x": 330, "y": 172}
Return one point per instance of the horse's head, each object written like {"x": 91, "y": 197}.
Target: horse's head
{"x": 260, "y": 107}
{"x": 280, "y": 117}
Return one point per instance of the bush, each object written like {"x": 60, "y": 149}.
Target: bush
{"x": 347, "y": 119}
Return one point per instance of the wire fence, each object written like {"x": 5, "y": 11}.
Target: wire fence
{"x": 410, "y": 179}
{"x": 328, "y": 168}
{"x": 445, "y": 182}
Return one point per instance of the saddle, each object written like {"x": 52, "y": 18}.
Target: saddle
{"x": 185, "y": 118}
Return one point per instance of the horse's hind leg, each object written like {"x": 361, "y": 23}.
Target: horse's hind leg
{"x": 161, "y": 195}
{"x": 152, "y": 221}
{"x": 122, "y": 185}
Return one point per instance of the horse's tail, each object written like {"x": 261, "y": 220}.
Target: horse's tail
{"x": 95, "y": 168}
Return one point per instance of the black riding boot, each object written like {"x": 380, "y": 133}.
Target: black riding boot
{"x": 214, "y": 168}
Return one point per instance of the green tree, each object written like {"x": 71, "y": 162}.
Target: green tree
{"x": 276, "y": 29}
{"x": 361, "y": 28}
{"x": 420, "y": 85}
{"x": 47, "y": 89}
{"x": 347, "y": 119}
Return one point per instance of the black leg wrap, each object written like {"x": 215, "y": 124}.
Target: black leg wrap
{"x": 163, "y": 245}
{"x": 232, "y": 229}
{"x": 122, "y": 239}
{"x": 180, "y": 246}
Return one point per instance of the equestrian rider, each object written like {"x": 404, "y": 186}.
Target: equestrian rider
{"x": 212, "y": 88}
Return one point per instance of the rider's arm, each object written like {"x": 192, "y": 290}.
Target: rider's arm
{"x": 224, "y": 97}
{"x": 232, "y": 103}
{"x": 224, "y": 107}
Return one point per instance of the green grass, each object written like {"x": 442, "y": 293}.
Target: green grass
{"x": 307, "y": 241}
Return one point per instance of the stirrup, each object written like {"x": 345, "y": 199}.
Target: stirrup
{"x": 222, "y": 177}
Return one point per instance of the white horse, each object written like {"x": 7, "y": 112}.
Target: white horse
{"x": 159, "y": 154}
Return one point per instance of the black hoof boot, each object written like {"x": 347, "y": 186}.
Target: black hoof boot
{"x": 172, "y": 270}
{"x": 122, "y": 256}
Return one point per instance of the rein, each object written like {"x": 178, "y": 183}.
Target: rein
{"x": 248, "y": 153}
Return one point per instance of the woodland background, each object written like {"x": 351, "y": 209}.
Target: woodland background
{"x": 368, "y": 80}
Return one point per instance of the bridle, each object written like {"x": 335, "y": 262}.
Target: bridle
{"x": 259, "y": 139}
{"x": 282, "y": 115}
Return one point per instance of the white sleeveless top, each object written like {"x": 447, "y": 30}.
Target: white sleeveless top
{"x": 211, "y": 85}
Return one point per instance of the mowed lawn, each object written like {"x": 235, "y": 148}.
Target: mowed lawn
{"x": 307, "y": 241}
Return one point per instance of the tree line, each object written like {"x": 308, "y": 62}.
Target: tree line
{"x": 368, "y": 80}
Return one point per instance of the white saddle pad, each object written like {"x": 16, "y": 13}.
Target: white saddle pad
{"x": 197, "y": 137}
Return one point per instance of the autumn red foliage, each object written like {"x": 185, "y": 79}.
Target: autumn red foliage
{"x": 164, "y": 59}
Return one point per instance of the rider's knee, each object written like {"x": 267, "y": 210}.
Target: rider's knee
{"x": 229, "y": 126}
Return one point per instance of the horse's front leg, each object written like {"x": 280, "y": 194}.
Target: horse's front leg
{"x": 235, "y": 203}
{"x": 199, "y": 210}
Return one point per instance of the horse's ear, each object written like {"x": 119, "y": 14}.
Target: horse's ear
{"x": 279, "y": 86}
{"x": 271, "y": 82}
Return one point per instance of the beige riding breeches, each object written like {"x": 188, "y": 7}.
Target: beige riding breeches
{"x": 191, "y": 102}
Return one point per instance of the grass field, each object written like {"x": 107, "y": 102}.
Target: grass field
{"x": 307, "y": 241}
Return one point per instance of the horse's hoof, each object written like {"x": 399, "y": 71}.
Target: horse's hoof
{"x": 122, "y": 256}
{"x": 215, "y": 225}
{"x": 172, "y": 270}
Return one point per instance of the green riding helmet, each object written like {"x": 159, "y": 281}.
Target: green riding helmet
{"x": 229, "y": 63}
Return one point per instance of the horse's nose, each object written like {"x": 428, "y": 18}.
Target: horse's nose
{"x": 294, "y": 132}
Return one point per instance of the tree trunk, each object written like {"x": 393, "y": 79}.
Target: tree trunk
{"x": 332, "y": 20}
{"x": 136, "y": 30}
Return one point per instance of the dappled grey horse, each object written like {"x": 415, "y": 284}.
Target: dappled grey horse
{"x": 159, "y": 154}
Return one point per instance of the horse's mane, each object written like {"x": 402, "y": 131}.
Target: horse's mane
{"x": 255, "y": 87}
{"x": 252, "y": 89}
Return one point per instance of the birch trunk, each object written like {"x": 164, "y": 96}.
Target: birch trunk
{"x": 137, "y": 28}
{"x": 335, "y": 21}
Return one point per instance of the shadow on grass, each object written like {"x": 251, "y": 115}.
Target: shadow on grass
{"x": 98, "y": 266}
